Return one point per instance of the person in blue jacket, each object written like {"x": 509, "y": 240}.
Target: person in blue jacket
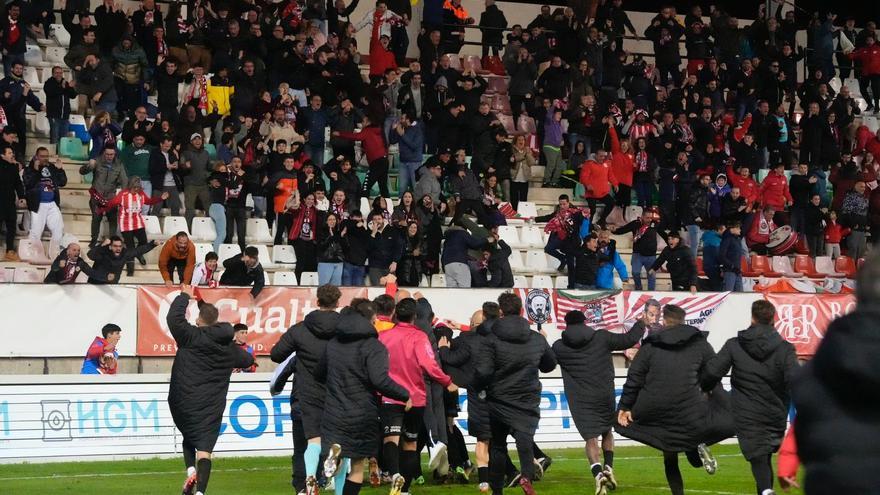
{"x": 711, "y": 244}
{"x": 605, "y": 276}
{"x": 409, "y": 134}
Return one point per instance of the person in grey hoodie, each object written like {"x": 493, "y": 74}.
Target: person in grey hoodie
{"x": 108, "y": 175}
{"x": 465, "y": 186}
{"x": 195, "y": 162}
{"x": 429, "y": 182}
{"x": 409, "y": 135}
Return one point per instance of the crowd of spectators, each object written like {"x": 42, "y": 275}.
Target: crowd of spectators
{"x": 275, "y": 89}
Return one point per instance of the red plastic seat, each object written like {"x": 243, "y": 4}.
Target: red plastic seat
{"x": 845, "y": 264}
{"x": 700, "y": 271}
{"x": 761, "y": 264}
{"x": 745, "y": 270}
{"x": 804, "y": 264}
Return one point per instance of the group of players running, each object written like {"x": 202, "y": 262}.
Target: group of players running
{"x": 370, "y": 381}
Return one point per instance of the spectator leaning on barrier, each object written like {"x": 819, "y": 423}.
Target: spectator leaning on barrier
{"x": 67, "y": 266}
{"x": 102, "y": 357}
{"x": 245, "y": 270}
{"x": 205, "y": 273}
{"x": 111, "y": 256}
{"x": 178, "y": 254}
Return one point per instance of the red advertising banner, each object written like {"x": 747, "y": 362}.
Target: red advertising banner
{"x": 802, "y": 319}
{"x": 274, "y": 311}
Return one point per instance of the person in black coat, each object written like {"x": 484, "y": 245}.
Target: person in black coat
{"x": 492, "y": 26}
{"x": 679, "y": 262}
{"x": 354, "y": 368}
{"x": 586, "y": 264}
{"x": 308, "y": 339}
{"x": 514, "y": 355}
{"x": 838, "y": 417}
{"x": 763, "y": 364}
{"x": 245, "y": 270}
{"x": 584, "y": 355}
{"x": 662, "y": 404}
{"x": 59, "y": 92}
{"x": 206, "y": 356}
{"x": 111, "y": 256}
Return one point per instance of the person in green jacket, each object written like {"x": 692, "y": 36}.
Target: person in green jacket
{"x": 136, "y": 160}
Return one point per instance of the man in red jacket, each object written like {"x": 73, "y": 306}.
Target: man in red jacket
{"x": 869, "y": 56}
{"x": 411, "y": 357}
{"x": 598, "y": 179}
{"x": 774, "y": 189}
{"x": 377, "y": 155}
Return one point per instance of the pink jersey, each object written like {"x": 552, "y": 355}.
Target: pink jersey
{"x": 411, "y": 357}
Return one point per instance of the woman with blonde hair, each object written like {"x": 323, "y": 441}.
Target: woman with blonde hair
{"x": 130, "y": 202}
{"x": 521, "y": 163}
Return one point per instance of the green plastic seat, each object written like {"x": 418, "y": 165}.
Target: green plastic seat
{"x": 72, "y": 148}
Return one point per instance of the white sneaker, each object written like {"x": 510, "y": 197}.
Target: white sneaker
{"x": 331, "y": 464}
{"x": 437, "y": 455}
{"x": 484, "y": 487}
{"x": 709, "y": 461}
{"x": 601, "y": 483}
{"x": 397, "y": 482}
{"x": 610, "y": 480}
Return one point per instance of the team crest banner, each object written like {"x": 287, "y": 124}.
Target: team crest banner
{"x": 599, "y": 308}
{"x": 803, "y": 319}
{"x": 268, "y": 316}
{"x": 538, "y": 305}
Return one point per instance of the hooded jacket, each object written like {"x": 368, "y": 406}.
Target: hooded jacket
{"x": 200, "y": 375}
{"x": 680, "y": 265}
{"x": 838, "y": 422}
{"x": 763, "y": 364}
{"x": 597, "y": 178}
{"x": 411, "y": 357}
{"x": 354, "y": 367}
{"x": 514, "y": 356}
{"x": 33, "y": 184}
{"x": 584, "y": 354}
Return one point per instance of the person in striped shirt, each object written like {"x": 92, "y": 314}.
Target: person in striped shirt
{"x": 130, "y": 204}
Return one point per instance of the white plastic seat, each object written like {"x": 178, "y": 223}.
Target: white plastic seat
{"x": 154, "y": 231}
{"x": 258, "y": 231}
{"x": 173, "y": 225}
{"x": 56, "y": 54}
{"x": 32, "y": 77}
{"x": 516, "y": 262}
{"x": 527, "y": 209}
{"x": 542, "y": 282}
{"x": 309, "y": 279}
{"x": 510, "y": 235}
{"x": 26, "y": 275}
{"x": 228, "y": 251}
{"x": 782, "y": 264}
{"x": 438, "y": 280}
{"x": 533, "y": 237}
{"x": 264, "y": 257}
{"x": 825, "y": 266}
{"x": 60, "y": 34}
{"x": 561, "y": 282}
{"x": 203, "y": 229}
{"x": 33, "y": 252}
{"x": 41, "y": 124}
{"x": 33, "y": 55}
{"x": 285, "y": 278}
{"x": 536, "y": 262}
{"x": 202, "y": 249}
{"x": 520, "y": 282}
{"x": 283, "y": 254}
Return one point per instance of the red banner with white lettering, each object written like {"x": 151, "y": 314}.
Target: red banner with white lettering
{"x": 268, "y": 316}
{"x": 802, "y": 319}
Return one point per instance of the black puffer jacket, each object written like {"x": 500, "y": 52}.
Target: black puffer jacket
{"x": 584, "y": 354}
{"x": 680, "y": 265}
{"x": 200, "y": 375}
{"x": 838, "y": 409}
{"x": 308, "y": 339}
{"x": 663, "y": 392}
{"x": 329, "y": 245}
{"x": 514, "y": 356}
{"x": 763, "y": 364}
{"x": 460, "y": 360}
{"x": 354, "y": 368}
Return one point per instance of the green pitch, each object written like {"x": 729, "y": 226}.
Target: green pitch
{"x": 639, "y": 470}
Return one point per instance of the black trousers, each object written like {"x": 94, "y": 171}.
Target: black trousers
{"x": 623, "y": 198}
{"x": 498, "y": 453}
{"x": 471, "y": 206}
{"x": 139, "y": 235}
{"x": 96, "y": 221}
{"x": 9, "y": 214}
{"x": 236, "y": 222}
{"x": 178, "y": 265}
{"x": 298, "y": 474}
{"x": 285, "y": 221}
{"x": 609, "y": 205}
{"x": 519, "y": 191}
{"x": 378, "y": 172}
{"x": 306, "y": 256}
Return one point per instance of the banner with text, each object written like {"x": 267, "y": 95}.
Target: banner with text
{"x": 802, "y": 319}
{"x": 269, "y": 315}
{"x": 698, "y": 308}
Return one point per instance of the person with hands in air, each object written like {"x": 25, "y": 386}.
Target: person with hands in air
{"x": 598, "y": 179}
{"x": 111, "y": 256}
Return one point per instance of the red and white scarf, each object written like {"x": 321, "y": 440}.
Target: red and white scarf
{"x": 200, "y": 84}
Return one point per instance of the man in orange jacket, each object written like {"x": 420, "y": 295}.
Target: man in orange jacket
{"x": 598, "y": 179}
{"x": 178, "y": 253}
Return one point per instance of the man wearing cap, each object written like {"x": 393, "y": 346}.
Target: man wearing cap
{"x": 194, "y": 164}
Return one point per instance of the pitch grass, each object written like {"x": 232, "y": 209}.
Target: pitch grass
{"x": 639, "y": 470}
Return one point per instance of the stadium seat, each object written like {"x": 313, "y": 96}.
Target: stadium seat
{"x": 309, "y": 279}
{"x": 526, "y": 124}
{"x": 510, "y": 235}
{"x": 782, "y": 264}
{"x": 825, "y": 266}
{"x": 33, "y": 252}
{"x": 700, "y": 271}
{"x": 803, "y": 263}
{"x": 283, "y": 254}
{"x": 33, "y": 56}
{"x": 454, "y": 63}
{"x": 59, "y": 33}
{"x": 438, "y": 280}
{"x": 542, "y": 282}
{"x": 497, "y": 85}
{"x": 202, "y": 249}
{"x": 31, "y": 77}
{"x": 72, "y": 148}
{"x": 516, "y": 262}
{"x": 204, "y": 229}
{"x": 501, "y": 104}
{"x": 154, "y": 231}
{"x": 561, "y": 282}
{"x": 527, "y": 209}
{"x": 536, "y": 262}
{"x": 520, "y": 282}
{"x": 228, "y": 251}
{"x": 26, "y": 275}
{"x": 258, "y": 231}
{"x": 41, "y": 124}
{"x": 285, "y": 278}
{"x": 533, "y": 237}
{"x": 173, "y": 225}
{"x": 265, "y": 259}
{"x": 761, "y": 265}
{"x": 56, "y": 54}
{"x": 846, "y": 265}
{"x": 507, "y": 123}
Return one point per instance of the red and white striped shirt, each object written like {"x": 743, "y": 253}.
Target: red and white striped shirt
{"x": 641, "y": 130}
{"x": 129, "y": 209}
